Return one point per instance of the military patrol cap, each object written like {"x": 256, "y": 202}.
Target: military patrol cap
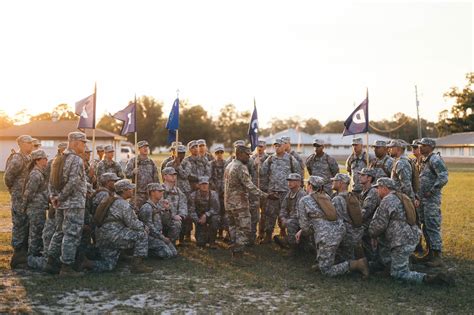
{"x": 342, "y": 177}
{"x": 218, "y": 148}
{"x": 77, "y": 136}
{"x": 24, "y": 139}
{"x": 100, "y": 147}
{"x": 243, "y": 148}
{"x": 415, "y": 143}
{"x": 38, "y": 154}
{"x": 368, "y": 171}
{"x": 262, "y": 143}
{"x": 286, "y": 139}
{"x": 278, "y": 141}
{"x": 201, "y": 142}
{"x": 63, "y": 145}
{"x": 87, "y": 149}
{"x": 294, "y": 176}
{"x": 428, "y": 141}
{"x": 143, "y": 143}
{"x": 404, "y": 143}
{"x": 203, "y": 180}
{"x": 108, "y": 176}
{"x": 154, "y": 187}
{"x": 109, "y": 148}
{"x": 239, "y": 142}
{"x": 175, "y": 144}
{"x": 385, "y": 182}
{"x": 356, "y": 141}
{"x": 181, "y": 149}
{"x": 36, "y": 142}
{"x": 380, "y": 143}
{"x": 316, "y": 181}
{"x": 318, "y": 143}
{"x": 192, "y": 143}
{"x": 168, "y": 171}
{"x": 123, "y": 184}
{"x": 395, "y": 143}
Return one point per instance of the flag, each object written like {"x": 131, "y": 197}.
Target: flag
{"x": 85, "y": 109}
{"x": 129, "y": 117}
{"x": 173, "y": 121}
{"x": 253, "y": 128}
{"x": 358, "y": 121}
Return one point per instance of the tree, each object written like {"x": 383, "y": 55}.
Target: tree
{"x": 5, "y": 121}
{"x": 232, "y": 125}
{"x": 107, "y": 122}
{"x": 195, "y": 123}
{"x": 62, "y": 112}
{"x": 335, "y": 126}
{"x": 150, "y": 122}
{"x": 312, "y": 126}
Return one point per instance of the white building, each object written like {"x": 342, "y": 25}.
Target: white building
{"x": 457, "y": 147}
{"x": 51, "y": 133}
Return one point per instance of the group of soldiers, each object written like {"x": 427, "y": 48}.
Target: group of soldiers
{"x": 71, "y": 214}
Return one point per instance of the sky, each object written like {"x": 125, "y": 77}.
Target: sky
{"x": 304, "y": 58}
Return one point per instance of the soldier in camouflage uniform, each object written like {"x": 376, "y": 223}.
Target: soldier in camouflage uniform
{"x": 350, "y": 244}
{"x": 69, "y": 199}
{"x": 36, "y": 201}
{"x": 61, "y": 147}
{"x": 183, "y": 169}
{"x": 199, "y": 165}
{"x": 401, "y": 171}
{"x": 204, "y": 209}
{"x": 217, "y": 184}
{"x": 383, "y": 162}
{"x": 202, "y": 145}
{"x": 433, "y": 177}
{"x": 173, "y": 216}
{"x": 237, "y": 185}
{"x": 262, "y": 182}
{"x": 107, "y": 189}
{"x": 355, "y": 162}
{"x": 328, "y": 232}
{"x": 36, "y": 144}
{"x": 108, "y": 165}
{"x": 277, "y": 167}
{"x": 150, "y": 214}
{"x": 173, "y": 147}
{"x": 287, "y": 142}
{"x": 88, "y": 167}
{"x": 321, "y": 164}
{"x": 16, "y": 172}
{"x": 416, "y": 161}
{"x": 232, "y": 155}
{"x": 146, "y": 173}
{"x": 120, "y": 230}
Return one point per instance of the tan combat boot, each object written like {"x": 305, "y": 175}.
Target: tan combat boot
{"x": 87, "y": 264}
{"x": 436, "y": 261}
{"x": 52, "y": 266}
{"x": 360, "y": 265}
{"x": 68, "y": 271}
{"x": 439, "y": 278}
{"x": 138, "y": 266}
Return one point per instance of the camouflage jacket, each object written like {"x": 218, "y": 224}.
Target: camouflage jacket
{"x": 203, "y": 203}
{"x": 16, "y": 173}
{"x": 178, "y": 201}
{"x": 402, "y": 175}
{"x": 263, "y": 178}
{"x": 277, "y": 169}
{"x": 217, "y": 176}
{"x": 354, "y": 164}
{"x": 369, "y": 200}
{"x": 324, "y": 166}
{"x": 166, "y": 161}
{"x": 109, "y": 166}
{"x": 382, "y": 166}
{"x": 149, "y": 214}
{"x": 100, "y": 194}
{"x": 147, "y": 172}
{"x": 433, "y": 176}
{"x": 289, "y": 204}
{"x": 36, "y": 193}
{"x": 184, "y": 170}
{"x": 200, "y": 166}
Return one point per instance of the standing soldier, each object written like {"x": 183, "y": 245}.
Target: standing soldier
{"x": 108, "y": 165}
{"x": 418, "y": 158}
{"x": 277, "y": 167}
{"x": 199, "y": 165}
{"x": 100, "y": 154}
{"x": 237, "y": 185}
{"x": 36, "y": 144}
{"x": 217, "y": 184}
{"x": 262, "y": 183}
{"x": 402, "y": 170}
{"x": 203, "y": 150}
{"x": 287, "y": 143}
{"x": 321, "y": 164}
{"x": 16, "y": 172}
{"x": 61, "y": 147}
{"x": 68, "y": 189}
{"x": 382, "y": 163}
{"x": 173, "y": 147}
{"x": 355, "y": 162}
{"x": 433, "y": 177}
{"x": 146, "y": 173}
{"x": 183, "y": 169}
{"x": 88, "y": 167}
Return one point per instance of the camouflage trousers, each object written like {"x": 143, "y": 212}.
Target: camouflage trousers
{"x": 398, "y": 260}
{"x": 110, "y": 247}
{"x": 429, "y": 214}
{"x": 48, "y": 232}
{"x": 292, "y": 227}
{"x": 67, "y": 235}
{"x": 326, "y": 255}
{"x": 37, "y": 262}
{"x": 207, "y": 232}
{"x": 36, "y": 220}
{"x": 369, "y": 251}
{"x": 351, "y": 240}
{"x": 159, "y": 248}
{"x": 171, "y": 227}
{"x": 20, "y": 224}
{"x": 240, "y": 228}
{"x": 261, "y": 223}
{"x": 254, "y": 201}
{"x": 272, "y": 211}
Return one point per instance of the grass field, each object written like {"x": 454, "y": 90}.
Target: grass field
{"x": 205, "y": 281}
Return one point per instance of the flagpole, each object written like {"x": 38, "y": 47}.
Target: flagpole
{"x": 367, "y": 133}
{"x": 258, "y": 156}
{"x": 177, "y": 130}
{"x": 93, "y": 129}
{"x": 136, "y": 150}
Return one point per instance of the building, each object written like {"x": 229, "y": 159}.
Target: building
{"x": 51, "y": 133}
{"x": 457, "y": 147}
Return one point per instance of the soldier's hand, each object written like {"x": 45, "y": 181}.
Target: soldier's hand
{"x": 55, "y": 202}
{"x": 417, "y": 203}
{"x": 298, "y": 236}
{"x": 135, "y": 171}
{"x": 202, "y": 220}
{"x": 165, "y": 203}
{"x": 178, "y": 218}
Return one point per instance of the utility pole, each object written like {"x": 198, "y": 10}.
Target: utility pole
{"x": 418, "y": 112}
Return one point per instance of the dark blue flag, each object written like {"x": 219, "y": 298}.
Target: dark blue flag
{"x": 253, "y": 128}
{"x": 129, "y": 117}
{"x": 358, "y": 121}
{"x": 173, "y": 121}
{"x": 85, "y": 108}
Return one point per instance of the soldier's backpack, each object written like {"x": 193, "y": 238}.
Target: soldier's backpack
{"x": 9, "y": 183}
{"x": 324, "y": 202}
{"x": 384, "y": 166}
{"x": 354, "y": 209}
{"x": 56, "y": 176}
{"x": 409, "y": 207}
{"x": 102, "y": 210}
{"x": 415, "y": 175}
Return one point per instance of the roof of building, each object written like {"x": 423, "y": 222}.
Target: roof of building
{"x": 295, "y": 137}
{"x": 457, "y": 139}
{"x": 47, "y": 129}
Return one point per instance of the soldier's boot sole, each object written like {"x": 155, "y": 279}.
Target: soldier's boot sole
{"x": 138, "y": 266}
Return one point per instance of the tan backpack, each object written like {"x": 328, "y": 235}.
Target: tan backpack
{"x": 409, "y": 207}
{"x": 56, "y": 176}
{"x": 354, "y": 209}
{"x": 324, "y": 202}
{"x": 103, "y": 209}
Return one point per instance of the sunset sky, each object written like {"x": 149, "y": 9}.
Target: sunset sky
{"x": 295, "y": 57}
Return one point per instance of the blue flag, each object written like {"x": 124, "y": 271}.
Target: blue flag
{"x": 358, "y": 121}
{"x": 253, "y": 128}
{"x": 173, "y": 121}
{"x": 129, "y": 117}
{"x": 85, "y": 108}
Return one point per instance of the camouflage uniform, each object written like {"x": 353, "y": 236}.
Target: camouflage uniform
{"x": 48, "y": 230}
{"x": 402, "y": 175}
{"x": 433, "y": 177}
{"x": 289, "y": 213}
{"x": 382, "y": 166}
{"x": 353, "y": 165}
{"x": 300, "y": 161}
{"x": 208, "y": 204}
{"x": 263, "y": 185}
{"x": 199, "y": 167}
{"x": 15, "y": 176}
{"x": 396, "y": 238}
{"x": 166, "y": 161}
{"x": 183, "y": 171}
{"x": 217, "y": 184}
{"x": 369, "y": 200}
{"x": 70, "y": 213}
{"x": 109, "y": 166}
{"x": 178, "y": 206}
{"x": 327, "y": 236}
{"x": 325, "y": 167}
{"x": 237, "y": 186}
{"x": 121, "y": 230}
{"x": 277, "y": 170}
{"x": 147, "y": 173}
{"x": 150, "y": 215}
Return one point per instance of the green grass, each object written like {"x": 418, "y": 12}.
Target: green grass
{"x": 205, "y": 281}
